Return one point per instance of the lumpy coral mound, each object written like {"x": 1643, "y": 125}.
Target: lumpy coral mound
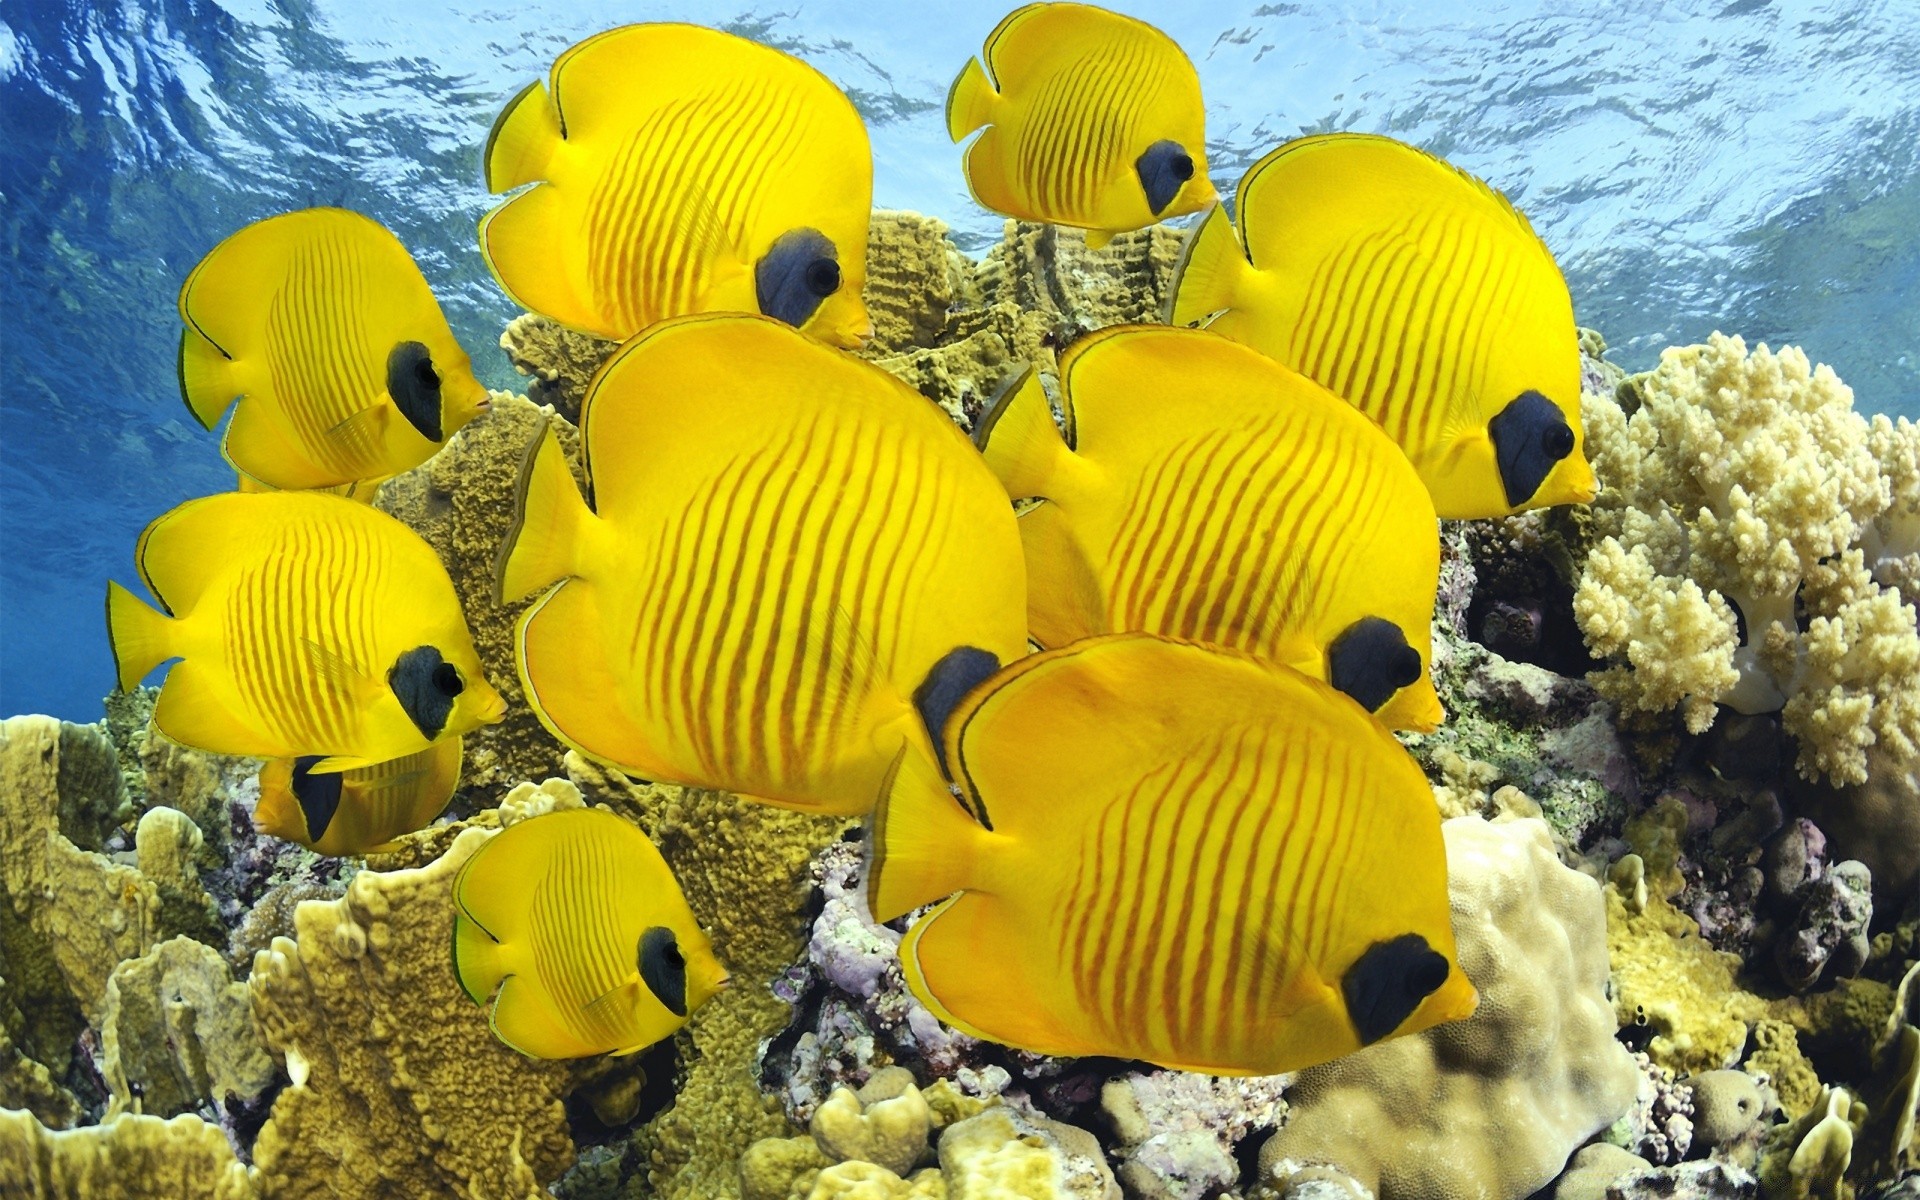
{"x": 1746, "y": 511}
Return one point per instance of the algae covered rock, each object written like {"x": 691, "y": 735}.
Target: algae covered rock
{"x": 177, "y": 1033}
{"x": 1489, "y": 1107}
{"x": 131, "y": 1157}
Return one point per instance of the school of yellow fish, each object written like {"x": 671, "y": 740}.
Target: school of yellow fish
{"x": 1117, "y": 689}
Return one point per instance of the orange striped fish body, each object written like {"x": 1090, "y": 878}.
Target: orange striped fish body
{"x": 321, "y": 326}
{"x": 1172, "y": 853}
{"x": 1418, "y": 294}
{"x": 309, "y": 625}
{"x": 1092, "y": 119}
{"x": 784, "y": 541}
{"x": 354, "y": 812}
{"x": 573, "y": 928}
{"x": 1207, "y": 493}
{"x": 682, "y": 170}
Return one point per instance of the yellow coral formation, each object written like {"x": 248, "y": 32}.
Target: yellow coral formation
{"x": 178, "y": 1033}
{"x": 743, "y": 867}
{"x": 129, "y": 1158}
{"x": 461, "y": 501}
{"x": 1493, "y": 1105}
{"x": 559, "y": 361}
{"x": 399, "y": 1087}
{"x": 1666, "y": 976}
{"x": 1747, "y": 482}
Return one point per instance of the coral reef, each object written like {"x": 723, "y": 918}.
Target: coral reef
{"x": 1729, "y": 568}
{"x": 178, "y": 1035}
{"x": 461, "y": 501}
{"x": 128, "y": 1158}
{"x": 1491, "y": 1106}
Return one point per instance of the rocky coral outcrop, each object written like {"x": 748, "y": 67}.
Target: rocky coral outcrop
{"x": 1492, "y": 1106}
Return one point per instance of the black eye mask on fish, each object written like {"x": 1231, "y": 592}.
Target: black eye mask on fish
{"x": 415, "y": 387}
{"x": 1530, "y": 436}
{"x": 426, "y": 684}
{"x": 1164, "y": 169}
{"x": 1371, "y": 660}
{"x": 801, "y": 270}
{"x": 664, "y": 969}
{"x": 319, "y": 795}
{"x": 1385, "y": 985}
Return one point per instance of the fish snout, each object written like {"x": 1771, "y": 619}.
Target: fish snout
{"x": 492, "y": 708}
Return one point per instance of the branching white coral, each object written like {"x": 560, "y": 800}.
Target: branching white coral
{"x": 1746, "y": 484}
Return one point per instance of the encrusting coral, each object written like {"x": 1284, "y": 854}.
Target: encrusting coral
{"x": 177, "y": 1033}
{"x": 1490, "y": 1106}
{"x": 1730, "y": 566}
{"x": 398, "y": 1085}
{"x": 131, "y": 1157}
{"x": 462, "y": 502}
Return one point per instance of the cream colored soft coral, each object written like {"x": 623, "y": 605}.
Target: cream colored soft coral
{"x": 1744, "y": 483}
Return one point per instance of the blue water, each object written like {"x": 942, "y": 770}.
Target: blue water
{"x": 1749, "y": 166}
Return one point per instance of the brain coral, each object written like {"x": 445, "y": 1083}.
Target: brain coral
{"x": 1489, "y": 1107}
{"x": 1744, "y": 490}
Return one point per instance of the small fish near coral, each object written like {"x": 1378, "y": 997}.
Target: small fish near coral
{"x": 1417, "y": 293}
{"x": 1172, "y": 853}
{"x": 322, "y": 328}
{"x": 1092, "y": 119}
{"x": 358, "y": 811}
{"x": 783, "y": 542}
{"x": 572, "y": 928}
{"x": 1205, "y": 492}
{"x": 678, "y": 170}
{"x": 308, "y": 624}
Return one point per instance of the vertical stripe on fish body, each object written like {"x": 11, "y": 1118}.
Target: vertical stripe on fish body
{"x": 309, "y": 624}
{"x": 1205, "y": 492}
{"x": 682, "y": 170}
{"x": 320, "y": 324}
{"x": 358, "y": 811}
{"x": 1080, "y": 104}
{"x": 573, "y": 927}
{"x": 1173, "y": 853}
{"x": 1418, "y": 294}
{"x": 783, "y": 542}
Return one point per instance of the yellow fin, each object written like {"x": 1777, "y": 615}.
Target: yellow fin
{"x": 207, "y": 384}
{"x": 518, "y": 240}
{"x": 1098, "y": 239}
{"x": 522, "y": 140}
{"x": 1065, "y": 601}
{"x": 572, "y": 693}
{"x": 339, "y": 763}
{"x": 189, "y": 712}
{"x": 1209, "y": 271}
{"x": 923, "y": 844}
{"x": 550, "y": 517}
{"x": 524, "y": 1019}
{"x": 970, "y": 100}
{"x": 141, "y": 637}
{"x": 278, "y": 814}
{"x": 956, "y": 960}
{"x": 476, "y": 958}
{"x": 258, "y": 448}
{"x": 181, "y": 550}
{"x": 1019, "y": 439}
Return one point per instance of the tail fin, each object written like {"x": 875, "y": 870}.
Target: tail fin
{"x": 141, "y": 636}
{"x": 923, "y": 843}
{"x": 476, "y": 959}
{"x": 522, "y": 140}
{"x": 1019, "y": 439}
{"x": 970, "y": 100}
{"x": 543, "y": 545}
{"x": 206, "y": 379}
{"x": 278, "y": 813}
{"x": 1207, "y": 277}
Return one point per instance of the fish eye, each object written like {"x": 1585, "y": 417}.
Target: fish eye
{"x": 823, "y": 277}
{"x": 446, "y": 677}
{"x": 1557, "y": 440}
{"x": 1182, "y": 166}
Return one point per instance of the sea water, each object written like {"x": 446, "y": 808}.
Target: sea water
{"x": 1749, "y": 166}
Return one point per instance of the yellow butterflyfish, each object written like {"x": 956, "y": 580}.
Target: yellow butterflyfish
{"x": 783, "y": 541}
{"x": 1210, "y": 494}
{"x": 1420, "y": 296}
{"x": 575, "y": 929}
{"x": 321, "y": 326}
{"x": 682, "y": 170}
{"x": 354, "y": 812}
{"x": 1170, "y": 852}
{"x": 1092, "y": 119}
{"x": 308, "y": 624}
{"x": 365, "y": 491}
